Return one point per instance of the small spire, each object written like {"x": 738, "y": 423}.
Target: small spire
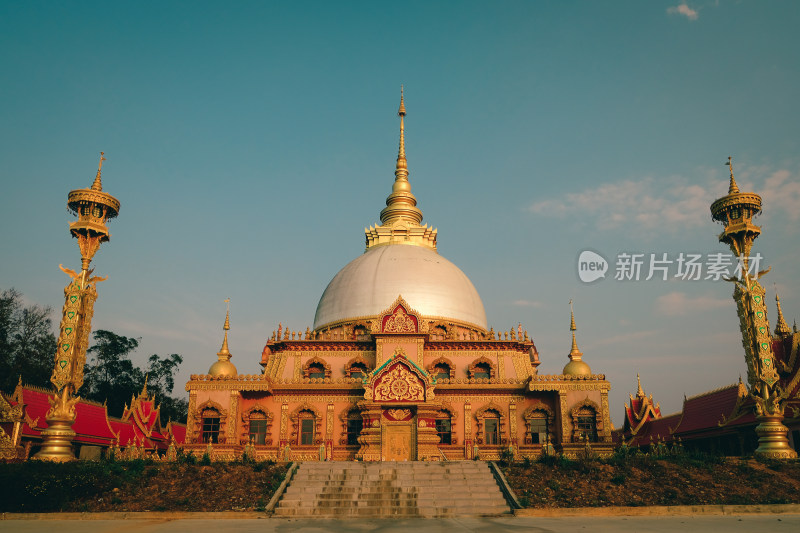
{"x": 733, "y": 189}
{"x": 226, "y": 327}
{"x": 144, "y": 387}
{"x": 782, "y": 328}
{"x": 574, "y": 353}
{"x": 639, "y": 390}
{"x": 98, "y": 185}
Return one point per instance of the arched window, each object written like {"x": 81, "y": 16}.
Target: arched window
{"x": 585, "y": 422}
{"x": 491, "y": 424}
{"x": 354, "y": 425}
{"x": 441, "y": 371}
{"x": 316, "y": 370}
{"x": 258, "y": 428}
{"x": 539, "y": 419}
{"x": 307, "y": 423}
{"x": 482, "y": 371}
{"x": 357, "y": 370}
{"x": 211, "y": 420}
{"x": 539, "y": 428}
{"x": 444, "y": 427}
{"x": 481, "y": 368}
{"x": 586, "y": 426}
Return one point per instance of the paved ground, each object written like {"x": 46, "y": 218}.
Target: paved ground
{"x": 604, "y": 524}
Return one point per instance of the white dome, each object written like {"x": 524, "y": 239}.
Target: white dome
{"x": 432, "y": 286}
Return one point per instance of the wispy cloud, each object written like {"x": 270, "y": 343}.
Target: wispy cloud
{"x": 647, "y": 203}
{"x": 527, "y": 303}
{"x": 679, "y": 303}
{"x": 683, "y": 10}
{"x": 671, "y": 203}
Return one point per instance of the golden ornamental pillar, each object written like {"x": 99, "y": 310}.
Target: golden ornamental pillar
{"x": 735, "y": 212}
{"x": 94, "y": 208}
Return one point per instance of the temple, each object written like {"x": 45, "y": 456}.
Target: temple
{"x": 399, "y": 365}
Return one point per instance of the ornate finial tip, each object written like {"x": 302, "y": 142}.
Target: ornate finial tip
{"x": 402, "y": 111}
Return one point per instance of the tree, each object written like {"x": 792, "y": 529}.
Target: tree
{"x": 112, "y": 377}
{"x": 27, "y": 342}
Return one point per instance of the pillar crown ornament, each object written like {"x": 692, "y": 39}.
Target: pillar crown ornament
{"x": 735, "y": 211}
{"x": 401, "y": 219}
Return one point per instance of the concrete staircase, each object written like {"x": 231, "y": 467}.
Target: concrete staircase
{"x": 392, "y": 489}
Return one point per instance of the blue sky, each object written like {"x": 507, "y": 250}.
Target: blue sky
{"x": 251, "y": 143}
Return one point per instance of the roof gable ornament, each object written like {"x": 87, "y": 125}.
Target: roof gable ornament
{"x": 399, "y": 318}
{"x": 399, "y": 380}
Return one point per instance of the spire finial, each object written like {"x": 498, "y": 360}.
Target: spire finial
{"x": 224, "y": 350}
{"x": 639, "y": 390}
{"x": 144, "y": 387}
{"x": 98, "y": 185}
{"x": 402, "y": 164}
{"x": 733, "y": 189}
{"x": 574, "y": 353}
{"x": 781, "y": 328}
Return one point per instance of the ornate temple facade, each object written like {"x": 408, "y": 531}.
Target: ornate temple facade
{"x": 398, "y": 365}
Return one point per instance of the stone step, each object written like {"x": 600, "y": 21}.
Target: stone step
{"x": 402, "y": 489}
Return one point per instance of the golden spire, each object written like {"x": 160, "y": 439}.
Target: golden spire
{"x": 639, "y": 390}
{"x": 98, "y": 185}
{"x": 575, "y": 352}
{"x": 223, "y": 366}
{"x": 733, "y": 189}
{"x": 782, "y": 328}
{"x": 225, "y": 328}
{"x": 401, "y": 204}
{"x": 144, "y": 388}
{"x": 576, "y": 365}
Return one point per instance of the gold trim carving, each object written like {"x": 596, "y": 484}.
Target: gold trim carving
{"x": 233, "y": 408}
{"x": 284, "y": 421}
{"x": 329, "y": 423}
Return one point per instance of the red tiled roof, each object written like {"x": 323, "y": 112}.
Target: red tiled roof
{"x": 706, "y": 411}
